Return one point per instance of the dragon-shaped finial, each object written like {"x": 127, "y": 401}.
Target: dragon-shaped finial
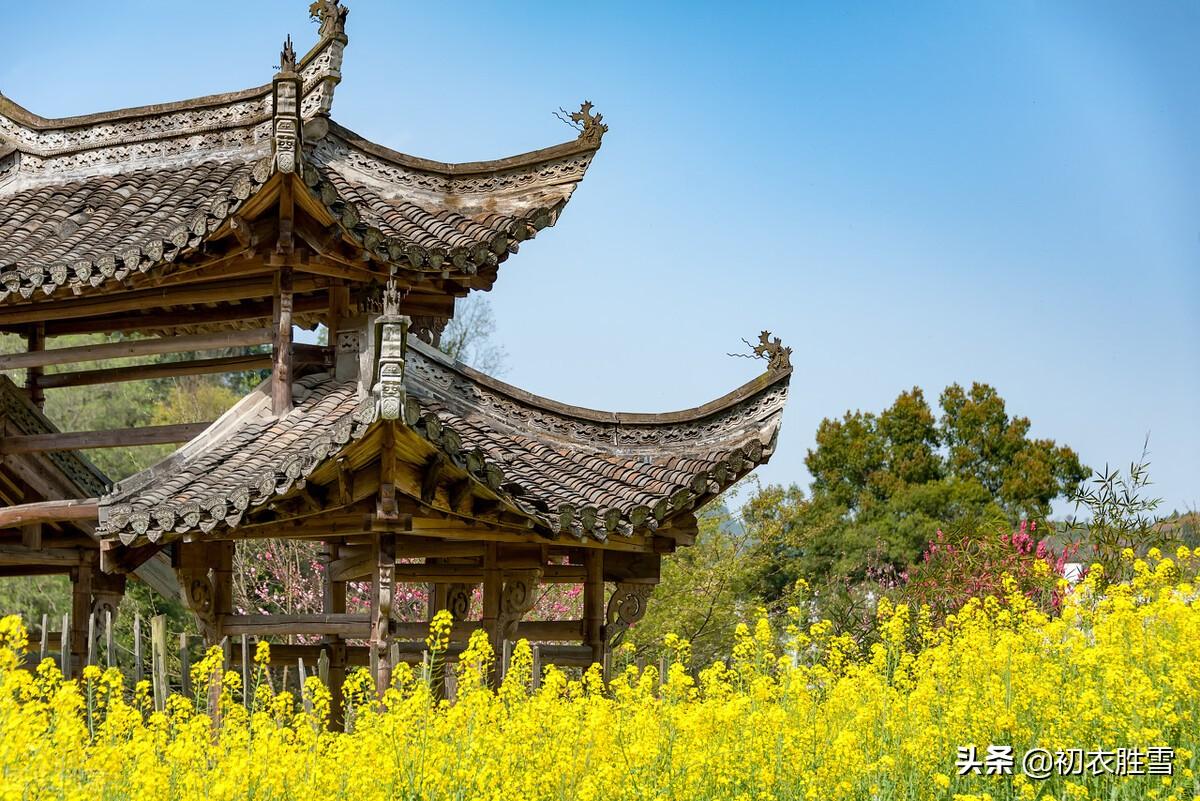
{"x": 332, "y": 16}
{"x": 778, "y": 357}
{"x": 287, "y": 56}
{"x": 590, "y": 126}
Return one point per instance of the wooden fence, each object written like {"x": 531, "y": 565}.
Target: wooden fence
{"x": 288, "y": 661}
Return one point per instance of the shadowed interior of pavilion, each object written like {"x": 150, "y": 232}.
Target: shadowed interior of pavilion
{"x": 226, "y": 222}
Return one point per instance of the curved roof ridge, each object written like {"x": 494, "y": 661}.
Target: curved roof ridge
{"x": 573, "y": 147}
{"x": 751, "y": 411}
{"x": 23, "y": 116}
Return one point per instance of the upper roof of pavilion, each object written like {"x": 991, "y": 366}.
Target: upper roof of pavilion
{"x": 114, "y": 200}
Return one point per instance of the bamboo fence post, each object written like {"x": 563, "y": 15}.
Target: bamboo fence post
{"x": 214, "y": 685}
{"x": 110, "y": 645}
{"x": 323, "y": 667}
{"x": 537, "y": 667}
{"x": 185, "y": 666}
{"x": 137, "y": 648}
{"x": 45, "y": 637}
{"x": 158, "y": 660}
{"x": 245, "y": 671}
{"x": 505, "y": 658}
{"x": 64, "y": 647}
{"x": 303, "y": 676}
{"x": 91, "y": 642}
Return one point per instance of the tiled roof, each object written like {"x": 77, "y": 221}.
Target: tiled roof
{"x": 84, "y": 200}
{"x": 80, "y": 233}
{"x": 433, "y": 217}
{"x": 568, "y": 470}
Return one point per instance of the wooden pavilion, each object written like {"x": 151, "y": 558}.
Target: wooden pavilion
{"x": 230, "y": 220}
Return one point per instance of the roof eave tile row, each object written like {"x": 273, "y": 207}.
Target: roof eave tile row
{"x": 137, "y": 251}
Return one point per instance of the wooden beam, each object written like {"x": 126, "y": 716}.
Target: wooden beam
{"x": 116, "y": 438}
{"x": 132, "y": 300}
{"x": 351, "y": 626}
{"x": 31, "y": 536}
{"x": 144, "y": 372}
{"x": 179, "y": 318}
{"x": 352, "y": 567}
{"x": 118, "y": 558}
{"x": 135, "y": 347}
{"x": 49, "y": 512}
{"x": 59, "y": 557}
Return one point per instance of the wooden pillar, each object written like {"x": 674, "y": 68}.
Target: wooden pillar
{"x": 37, "y": 342}
{"x": 593, "y": 602}
{"x": 192, "y": 562}
{"x": 281, "y": 374}
{"x": 382, "y": 590}
{"x": 222, "y": 585}
{"x": 333, "y": 603}
{"x": 339, "y": 309}
{"x": 81, "y": 613}
{"x": 492, "y": 587}
{"x": 107, "y": 591}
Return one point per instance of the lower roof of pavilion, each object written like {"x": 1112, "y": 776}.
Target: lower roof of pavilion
{"x": 33, "y": 476}
{"x": 471, "y": 458}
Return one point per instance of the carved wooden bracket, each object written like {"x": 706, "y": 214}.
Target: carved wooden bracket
{"x": 458, "y": 600}
{"x": 517, "y": 598}
{"x": 626, "y": 607}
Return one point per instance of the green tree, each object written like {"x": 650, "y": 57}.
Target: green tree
{"x": 883, "y": 484}
{"x": 704, "y": 591}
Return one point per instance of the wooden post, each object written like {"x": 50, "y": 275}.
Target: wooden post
{"x": 137, "y": 647}
{"x": 45, "y": 638}
{"x": 37, "y": 342}
{"x": 222, "y": 586}
{"x": 304, "y": 696}
{"x": 382, "y": 590}
{"x": 339, "y": 308}
{"x": 537, "y": 667}
{"x": 64, "y": 647}
{"x": 593, "y": 602}
{"x": 31, "y": 535}
{"x": 158, "y": 660}
{"x": 334, "y": 602}
{"x": 245, "y": 671}
{"x": 81, "y": 613}
{"x": 185, "y": 665}
{"x": 110, "y": 646}
{"x": 492, "y": 587}
{"x": 281, "y": 375}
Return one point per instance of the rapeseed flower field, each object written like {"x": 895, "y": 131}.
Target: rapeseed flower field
{"x": 795, "y": 714}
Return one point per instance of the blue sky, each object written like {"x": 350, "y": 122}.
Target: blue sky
{"x": 908, "y": 194}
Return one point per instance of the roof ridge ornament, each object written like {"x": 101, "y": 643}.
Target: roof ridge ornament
{"x": 287, "y": 56}
{"x": 778, "y": 357}
{"x": 332, "y": 16}
{"x": 286, "y": 90}
{"x": 393, "y": 342}
{"x": 590, "y": 126}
